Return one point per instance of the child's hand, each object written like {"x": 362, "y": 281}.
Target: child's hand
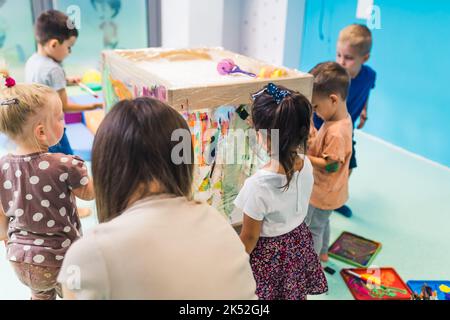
{"x": 312, "y": 134}
{"x": 4, "y": 73}
{"x": 95, "y": 106}
{"x": 91, "y": 107}
{"x": 362, "y": 119}
{"x": 73, "y": 81}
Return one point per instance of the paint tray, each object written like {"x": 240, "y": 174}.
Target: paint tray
{"x": 354, "y": 249}
{"x": 437, "y": 290}
{"x": 376, "y": 284}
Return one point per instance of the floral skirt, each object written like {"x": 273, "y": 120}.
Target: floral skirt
{"x": 287, "y": 267}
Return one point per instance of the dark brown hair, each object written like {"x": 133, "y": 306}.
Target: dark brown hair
{"x": 331, "y": 78}
{"x": 53, "y": 24}
{"x": 292, "y": 117}
{"x": 133, "y": 148}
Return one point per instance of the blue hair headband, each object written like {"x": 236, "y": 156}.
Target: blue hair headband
{"x": 277, "y": 94}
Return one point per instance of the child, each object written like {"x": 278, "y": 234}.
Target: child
{"x": 330, "y": 151}
{"x": 353, "y": 51}
{"x": 275, "y": 201}
{"x": 38, "y": 215}
{"x": 55, "y": 39}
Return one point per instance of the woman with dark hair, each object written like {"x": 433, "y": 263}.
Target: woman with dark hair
{"x": 153, "y": 242}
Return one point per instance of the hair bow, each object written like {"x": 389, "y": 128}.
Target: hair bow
{"x": 10, "y": 82}
{"x": 277, "y": 94}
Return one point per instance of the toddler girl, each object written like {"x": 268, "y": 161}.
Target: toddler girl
{"x": 38, "y": 214}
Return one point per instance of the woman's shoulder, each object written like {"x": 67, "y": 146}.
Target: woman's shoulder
{"x": 86, "y": 247}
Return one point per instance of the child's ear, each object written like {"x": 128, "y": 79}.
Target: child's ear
{"x": 366, "y": 58}
{"x": 40, "y": 134}
{"x": 334, "y": 98}
{"x": 53, "y": 43}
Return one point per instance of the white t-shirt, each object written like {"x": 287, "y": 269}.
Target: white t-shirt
{"x": 262, "y": 198}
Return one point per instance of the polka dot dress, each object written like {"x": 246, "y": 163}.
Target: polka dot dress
{"x": 35, "y": 192}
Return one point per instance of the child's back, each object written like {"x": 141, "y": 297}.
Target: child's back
{"x": 38, "y": 213}
{"x": 44, "y": 70}
{"x": 37, "y": 198}
{"x": 286, "y": 209}
{"x": 275, "y": 200}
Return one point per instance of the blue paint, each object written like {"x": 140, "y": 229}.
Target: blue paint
{"x": 409, "y": 106}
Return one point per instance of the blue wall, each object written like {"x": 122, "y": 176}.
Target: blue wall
{"x": 410, "y": 106}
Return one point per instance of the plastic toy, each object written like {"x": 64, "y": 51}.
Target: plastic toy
{"x": 271, "y": 73}
{"x": 92, "y": 77}
{"x": 227, "y": 66}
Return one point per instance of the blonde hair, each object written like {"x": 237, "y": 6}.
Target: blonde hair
{"x": 19, "y": 104}
{"x": 358, "y": 36}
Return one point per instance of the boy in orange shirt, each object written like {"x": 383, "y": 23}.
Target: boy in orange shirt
{"x": 329, "y": 151}
{"x": 352, "y": 52}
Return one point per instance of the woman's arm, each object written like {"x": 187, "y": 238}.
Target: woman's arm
{"x": 251, "y": 230}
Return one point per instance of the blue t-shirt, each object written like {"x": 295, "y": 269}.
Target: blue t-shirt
{"x": 358, "y": 95}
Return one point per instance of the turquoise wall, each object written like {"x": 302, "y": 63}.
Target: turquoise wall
{"x": 409, "y": 107}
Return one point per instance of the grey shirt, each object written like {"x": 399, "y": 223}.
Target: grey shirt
{"x": 44, "y": 70}
{"x": 160, "y": 248}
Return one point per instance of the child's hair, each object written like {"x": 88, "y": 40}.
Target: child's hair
{"x": 330, "y": 78}
{"x": 291, "y": 116}
{"x": 132, "y": 148}
{"x": 358, "y": 36}
{"x": 54, "y": 24}
{"x": 114, "y": 4}
{"x": 18, "y": 104}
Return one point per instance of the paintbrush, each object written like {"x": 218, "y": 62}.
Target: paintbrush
{"x": 362, "y": 278}
{"x": 377, "y": 282}
{"x": 85, "y": 87}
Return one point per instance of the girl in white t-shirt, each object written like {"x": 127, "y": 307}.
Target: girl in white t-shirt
{"x": 275, "y": 200}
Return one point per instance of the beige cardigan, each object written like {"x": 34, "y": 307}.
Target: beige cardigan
{"x": 160, "y": 248}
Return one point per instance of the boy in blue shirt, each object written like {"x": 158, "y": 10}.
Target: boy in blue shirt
{"x": 55, "y": 35}
{"x": 353, "y": 50}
